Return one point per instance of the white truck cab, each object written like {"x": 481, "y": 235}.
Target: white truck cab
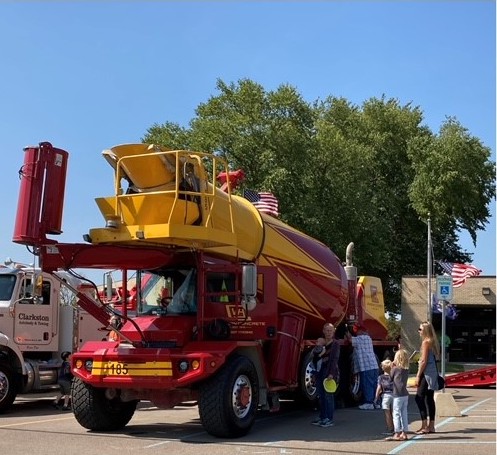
{"x": 38, "y": 321}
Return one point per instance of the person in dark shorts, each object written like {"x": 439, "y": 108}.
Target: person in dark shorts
{"x": 64, "y": 380}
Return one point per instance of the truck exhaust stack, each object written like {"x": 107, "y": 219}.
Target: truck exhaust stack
{"x": 41, "y": 195}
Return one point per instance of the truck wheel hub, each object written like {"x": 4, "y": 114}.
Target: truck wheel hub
{"x": 242, "y": 396}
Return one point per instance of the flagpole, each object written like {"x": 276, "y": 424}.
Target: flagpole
{"x": 428, "y": 270}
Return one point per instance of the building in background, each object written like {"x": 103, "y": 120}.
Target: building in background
{"x": 470, "y": 323}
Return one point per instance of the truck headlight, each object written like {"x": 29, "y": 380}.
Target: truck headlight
{"x": 183, "y": 366}
{"x": 89, "y": 365}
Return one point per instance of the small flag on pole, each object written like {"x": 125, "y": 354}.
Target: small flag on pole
{"x": 459, "y": 272}
{"x": 450, "y": 310}
{"x": 265, "y": 202}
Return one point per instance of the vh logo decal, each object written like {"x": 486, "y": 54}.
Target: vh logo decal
{"x": 237, "y": 312}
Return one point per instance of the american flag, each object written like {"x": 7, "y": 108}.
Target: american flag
{"x": 265, "y": 202}
{"x": 459, "y": 272}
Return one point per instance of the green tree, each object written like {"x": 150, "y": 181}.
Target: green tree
{"x": 170, "y": 135}
{"x": 454, "y": 180}
{"x": 370, "y": 174}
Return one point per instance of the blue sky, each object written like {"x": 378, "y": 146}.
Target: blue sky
{"x": 89, "y": 75}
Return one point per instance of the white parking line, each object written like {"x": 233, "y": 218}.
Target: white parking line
{"x": 31, "y": 422}
{"x": 451, "y": 420}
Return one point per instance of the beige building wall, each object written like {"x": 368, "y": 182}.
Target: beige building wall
{"x": 414, "y": 303}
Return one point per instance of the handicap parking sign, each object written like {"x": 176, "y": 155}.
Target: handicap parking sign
{"x": 444, "y": 287}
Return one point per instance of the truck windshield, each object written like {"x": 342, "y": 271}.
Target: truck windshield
{"x": 171, "y": 292}
{"x": 7, "y": 283}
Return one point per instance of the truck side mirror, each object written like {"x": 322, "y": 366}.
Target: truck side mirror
{"x": 108, "y": 286}
{"x": 249, "y": 286}
{"x": 38, "y": 290}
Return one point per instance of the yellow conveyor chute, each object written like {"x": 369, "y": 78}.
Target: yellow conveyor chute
{"x": 168, "y": 197}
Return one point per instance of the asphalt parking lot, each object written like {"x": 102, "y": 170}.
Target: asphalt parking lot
{"x": 33, "y": 426}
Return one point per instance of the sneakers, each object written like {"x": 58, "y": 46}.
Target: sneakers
{"x": 326, "y": 423}
{"x": 366, "y": 406}
{"x": 323, "y": 423}
{"x": 66, "y": 408}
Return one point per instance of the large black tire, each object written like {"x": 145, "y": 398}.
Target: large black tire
{"x": 94, "y": 411}
{"x": 307, "y": 392}
{"x": 8, "y": 387}
{"x": 228, "y": 401}
{"x": 355, "y": 389}
{"x": 354, "y": 395}
{"x": 349, "y": 388}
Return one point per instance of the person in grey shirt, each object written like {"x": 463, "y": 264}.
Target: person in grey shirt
{"x": 400, "y": 375}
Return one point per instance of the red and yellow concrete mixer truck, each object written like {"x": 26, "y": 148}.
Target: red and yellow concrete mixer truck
{"x": 226, "y": 302}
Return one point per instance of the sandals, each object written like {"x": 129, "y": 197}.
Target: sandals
{"x": 424, "y": 431}
{"x": 397, "y": 438}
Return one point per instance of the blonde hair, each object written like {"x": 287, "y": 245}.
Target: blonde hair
{"x": 428, "y": 333}
{"x": 401, "y": 359}
{"x": 386, "y": 365}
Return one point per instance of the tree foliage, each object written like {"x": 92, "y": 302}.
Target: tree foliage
{"x": 371, "y": 174}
